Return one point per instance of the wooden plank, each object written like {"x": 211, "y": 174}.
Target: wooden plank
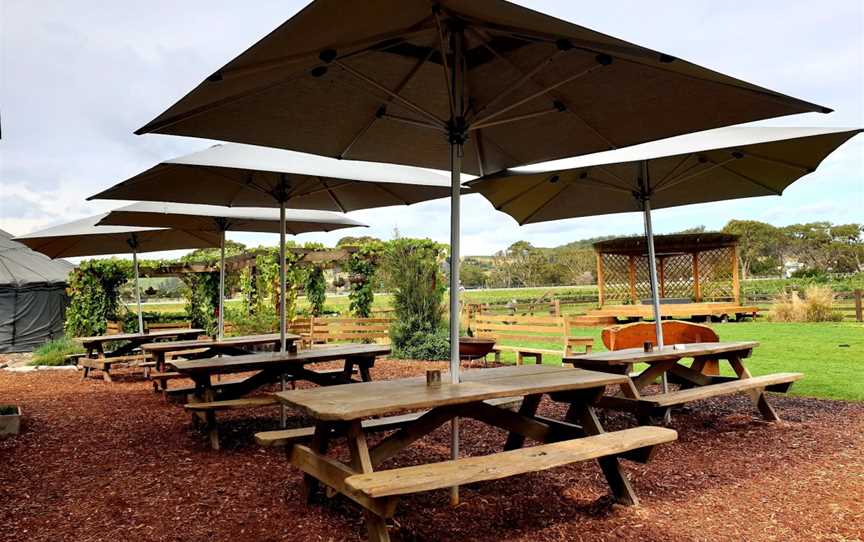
{"x": 468, "y": 470}
{"x": 637, "y": 355}
{"x": 264, "y": 360}
{"x": 391, "y": 396}
{"x": 233, "y": 404}
{"x": 724, "y": 388}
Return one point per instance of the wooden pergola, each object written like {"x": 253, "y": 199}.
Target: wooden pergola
{"x": 691, "y": 268}
{"x": 324, "y": 258}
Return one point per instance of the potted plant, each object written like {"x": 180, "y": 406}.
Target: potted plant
{"x": 10, "y": 419}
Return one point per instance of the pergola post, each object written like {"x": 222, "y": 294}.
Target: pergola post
{"x": 697, "y": 287}
{"x": 661, "y": 271}
{"x": 631, "y": 279}
{"x": 736, "y": 284}
{"x": 600, "y": 284}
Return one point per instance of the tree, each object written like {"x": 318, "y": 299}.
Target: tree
{"x": 472, "y": 274}
{"x": 760, "y": 245}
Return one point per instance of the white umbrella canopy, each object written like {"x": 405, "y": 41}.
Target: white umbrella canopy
{"x": 249, "y": 175}
{"x": 722, "y": 164}
{"x": 212, "y": 218}
{"x": 85, "y": 237}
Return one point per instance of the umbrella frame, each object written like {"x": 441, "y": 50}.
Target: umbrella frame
{"x": 133, "y": 244}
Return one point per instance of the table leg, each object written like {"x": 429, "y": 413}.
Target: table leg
{"x": 650, "y": 374}
{"x": 528, "y": 408}
{"x": 362, "y": 462}
{"x": 582, "y": 412}
{"x": 319, "y": 444}
{"x": 758, "y": 395}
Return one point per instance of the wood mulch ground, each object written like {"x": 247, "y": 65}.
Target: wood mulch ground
{"x": 113, "y": 462}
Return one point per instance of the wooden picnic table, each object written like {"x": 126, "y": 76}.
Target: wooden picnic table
{"x": 340, "y": 410}
{"x": 207, "y": 348}
{"x": 98, "y": 358}
{"x": 694, "y": 385}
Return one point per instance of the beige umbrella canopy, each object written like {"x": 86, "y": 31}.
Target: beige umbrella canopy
{"x": 86, "y": 238}
{"x": 215, "y": 219}
{"x": 727, "y": 163}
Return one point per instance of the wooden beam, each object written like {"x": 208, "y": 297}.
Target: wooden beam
{"x": 697, "y": 286}
{"x": 601, "y": 286}
{"x": 736, "y": 285}
{"x": 631, "y": 278}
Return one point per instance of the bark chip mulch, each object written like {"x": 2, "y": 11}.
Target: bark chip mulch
{"x": 113, "y": 462}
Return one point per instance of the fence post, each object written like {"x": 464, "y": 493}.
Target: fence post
{"x": 859, "y": 314}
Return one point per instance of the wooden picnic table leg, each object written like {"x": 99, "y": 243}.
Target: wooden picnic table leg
{"x": 581, "y": 411}
{"x": 758, "y": 395}
{"x": 651, "y": 374}
{"x": 319, "y": 444}
{"x": 362, "y": 462}
{"x": 528, "y": 408}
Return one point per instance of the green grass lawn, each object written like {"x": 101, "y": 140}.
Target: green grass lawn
{"x": 831, "y": 370}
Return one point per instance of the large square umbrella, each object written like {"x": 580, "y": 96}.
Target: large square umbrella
{"x": 85, "y": 237}
{"x": 722, "y": 164}
{"x": 248, "y": 175}
{"x": 215, "y": 219}
{"x": 466, "y": 85}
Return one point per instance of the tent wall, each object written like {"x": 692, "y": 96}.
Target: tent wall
{"x": 31, "y": 316}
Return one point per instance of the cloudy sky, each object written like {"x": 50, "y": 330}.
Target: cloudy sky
{"x": 76, "y": 78}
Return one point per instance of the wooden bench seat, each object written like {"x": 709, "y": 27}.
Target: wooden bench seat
{"x": 106, "y": 364}
{"x": 210, "y": 408}
{"x": 680, "y": 397}
{"x": 445, "y": 474}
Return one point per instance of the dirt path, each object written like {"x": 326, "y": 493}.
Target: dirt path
{"x": 113, "y": 462}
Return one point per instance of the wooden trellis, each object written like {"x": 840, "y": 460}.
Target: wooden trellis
{"x": 690, "y": 268}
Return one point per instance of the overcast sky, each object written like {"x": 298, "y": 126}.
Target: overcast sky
{"x": 76, "y": 78}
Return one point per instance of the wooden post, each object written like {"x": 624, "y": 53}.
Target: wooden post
{"x": 736, "y": 285}
{"x": 662, "y": 276}
{"x": 859, "y": 313}
{"x": 631, "y": 278}
{"x": 600, "y": 285}
{"x": 697, "y": 286}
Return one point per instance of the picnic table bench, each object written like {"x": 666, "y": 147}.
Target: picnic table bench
{"x": 694, "y": 383}
{"x": 340, "y": 410}
{"x": 268, "y": 367}
{"x": 99, "y": 359}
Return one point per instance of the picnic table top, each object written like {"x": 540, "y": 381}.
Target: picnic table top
{"x": 361, "y": 400}
{"x": 265, "y": 360}
{"x": 638, "y": 355}
{"x": 243, "y": 340}
{"x": 140, "y": 336}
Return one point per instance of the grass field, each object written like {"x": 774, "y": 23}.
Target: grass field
{"x": 831, "y": 355}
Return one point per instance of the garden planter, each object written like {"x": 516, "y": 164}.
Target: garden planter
{"x": 10, "y": 420}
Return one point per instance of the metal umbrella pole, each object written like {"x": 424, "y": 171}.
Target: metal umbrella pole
{"x": 133, "y": 243}
{"x": 645, "y": 183}
{"x": 220, "y": 332}
{"x": 282, "y": 297}
{"x": 457, "y": 134}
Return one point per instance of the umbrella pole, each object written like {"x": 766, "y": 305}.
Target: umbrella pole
{"x": 652, "y": 268}
{"x": 282, "y": 297}
{"x": 137, "y": 288}
{"x": 457, "y": 138}
{"x": 220, "y": 332}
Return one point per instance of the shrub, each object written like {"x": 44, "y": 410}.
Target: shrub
{"x": 424, "y": 345}
{"x": 316, "y": 290}
{"x": 251, "y": 324}
{"x": 94, "y": 293}
{"x": 54, "y": 353}
{"x": 817, "y": 306}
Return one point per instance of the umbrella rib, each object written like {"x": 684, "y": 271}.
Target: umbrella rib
{"x": 404, "y": 101}
{"x": 544, "y": 204}
{"x": 444, "y": 64}
{"x": 790, "y": 165}
{"x": 398, "y": 89}
{"x": 607, "y": 185}
{"x": 218, "y": 171}
{"x": 412, "y": 122}
{"x": 483, "y": 37}
{"x": 748, "y": 179}
{"x": 687, "y": 175}
{"x": 516, "y": 118}
{"x": 520, "y": 194}
{"x": 673, "y": 171}
{"x": 542, "y": 91}
{"x": 381, "y": 187}
{"x": 478, "y": 151}
{"x": 332, "y": 195}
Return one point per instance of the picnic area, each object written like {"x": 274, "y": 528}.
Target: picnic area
{"x": 451, "y": 271}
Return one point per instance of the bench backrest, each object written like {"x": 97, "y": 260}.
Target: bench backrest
{"x": 546, "y": 331}
{"x": 322, "y": 330}
{"x": 674, "y": 332}
{"x": 113, "y": 328}
{"x": 167, "y": 325}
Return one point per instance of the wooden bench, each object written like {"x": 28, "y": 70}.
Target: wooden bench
{"x": 778, "y": 382}
{"x": 324, "y": 330}
{"x": 549, "y": 330}
{"x": 106, "y": 364}
{"x": 674, "y": 332}
{"x": 446, "y": 474}
{"x": 209, "y": 409}
{"x": 148, "y": 327}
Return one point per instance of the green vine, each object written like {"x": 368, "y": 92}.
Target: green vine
{"x": 316, "y": 290}
{"x": 362, "y": 266}
{"x": 94, "y": 293}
